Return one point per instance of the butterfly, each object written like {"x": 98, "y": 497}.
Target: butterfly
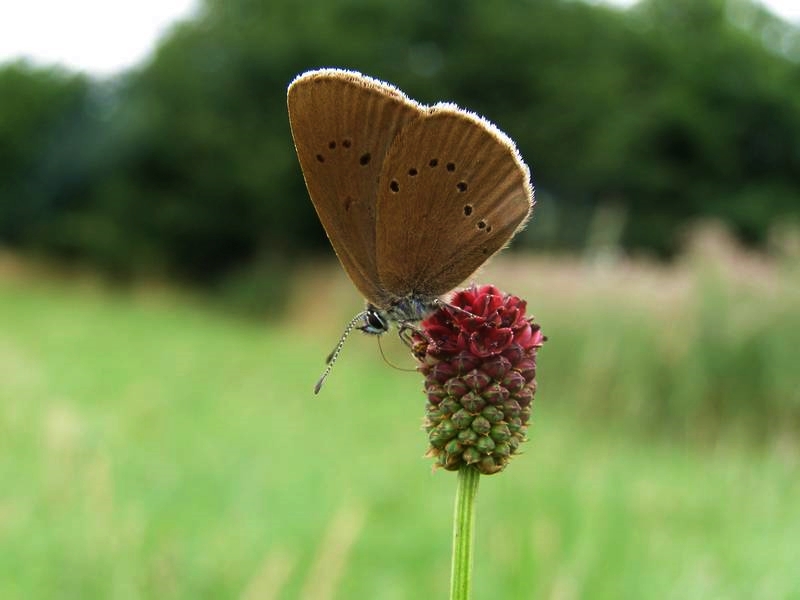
{"x": 413, "y": 198}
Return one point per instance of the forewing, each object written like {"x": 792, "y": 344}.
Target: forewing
{"x": 343, "y": 124}
{"x": 453, "y": 191}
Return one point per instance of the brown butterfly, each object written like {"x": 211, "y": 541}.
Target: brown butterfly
{"x": 413, "y": 198}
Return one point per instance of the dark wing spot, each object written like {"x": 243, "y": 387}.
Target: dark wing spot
{"x": 488, "y": 229}
{"x": 451, "y": 167}
{"x": 481, "y": 224}
{"x": 346, "y": 143}
{"x": 412, "y": 171}
{"x": 320, "y": 158}
{"x": 394, "y": 186}
{"x": 433, "y": 162}
{"x": 332, "y": 144}
{"x": 461, "y": 186}
{"x": 364, "y": 160}
{"x": 467, "y": 210}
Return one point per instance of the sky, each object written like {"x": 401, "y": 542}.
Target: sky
{"x": 102, "y": 37}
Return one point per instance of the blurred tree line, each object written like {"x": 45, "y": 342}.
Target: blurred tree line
{"x": 669, "y": 111}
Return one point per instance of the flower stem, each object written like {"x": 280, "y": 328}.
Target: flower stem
{"x": 464, "y": 533}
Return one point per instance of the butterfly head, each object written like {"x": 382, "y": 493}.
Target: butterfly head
{"x": 401, "y": 311}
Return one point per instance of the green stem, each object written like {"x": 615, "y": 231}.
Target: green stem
{"x": 464, "y": 533}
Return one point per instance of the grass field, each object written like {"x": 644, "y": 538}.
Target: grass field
{"x": 153, "y": 447}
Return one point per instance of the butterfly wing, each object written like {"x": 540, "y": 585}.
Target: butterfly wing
{"x": 343, "y": 124}
{"x": 453, "y": 191}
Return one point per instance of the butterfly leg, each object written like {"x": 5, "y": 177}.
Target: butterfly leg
{"x": 406, "y": 331}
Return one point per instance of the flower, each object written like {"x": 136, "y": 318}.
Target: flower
{"x": 478, "y": 355}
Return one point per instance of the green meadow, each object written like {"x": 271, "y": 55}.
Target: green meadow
{"x": 154, "y": 446}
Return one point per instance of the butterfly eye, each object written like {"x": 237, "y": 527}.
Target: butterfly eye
{"x": 374, "y": 322}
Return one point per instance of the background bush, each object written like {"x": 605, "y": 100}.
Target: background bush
{"x": 673, "y": 110}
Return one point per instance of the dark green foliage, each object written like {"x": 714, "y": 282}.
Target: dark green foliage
{"x": 44, "y": 127}
{"x": 670, "y": 111}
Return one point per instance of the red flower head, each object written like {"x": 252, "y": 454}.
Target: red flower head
{"x": 478, "y": 355}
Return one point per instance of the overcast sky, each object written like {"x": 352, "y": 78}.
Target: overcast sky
{"x": 103, "y": 37}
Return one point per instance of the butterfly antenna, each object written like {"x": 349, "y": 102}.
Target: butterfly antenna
{"x": 335, "y": 353}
